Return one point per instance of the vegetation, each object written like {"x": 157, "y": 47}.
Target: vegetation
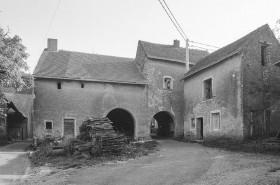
{"x": 13, "y": 63}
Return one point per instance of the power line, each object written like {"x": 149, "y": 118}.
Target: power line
{"x": 175, "y": 19}
{"x": 204, "y": 44}
{"x": 50, "y": 23}
{"x": 202, "y": 48}
{"x": 171, "y": 20}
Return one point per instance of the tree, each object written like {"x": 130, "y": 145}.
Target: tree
{"x": 13, "y": 65}
{"x": 276, "y": 30}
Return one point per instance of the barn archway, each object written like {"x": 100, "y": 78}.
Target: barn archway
{"x": 123, "y": 121}
{"x": 163, "y": 124}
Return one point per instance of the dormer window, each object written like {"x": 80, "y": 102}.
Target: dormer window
{"x": 167, "y": 83}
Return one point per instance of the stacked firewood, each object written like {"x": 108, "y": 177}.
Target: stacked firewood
{"x": 106, "y": 138}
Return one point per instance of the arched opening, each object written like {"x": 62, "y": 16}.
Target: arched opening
{"x": 123, "y": 121}
{"x": 162, "y": 125}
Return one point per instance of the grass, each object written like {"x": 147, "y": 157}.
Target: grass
{"x": 265, "y": 146}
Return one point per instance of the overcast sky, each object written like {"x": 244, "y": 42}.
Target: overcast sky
{"x": 113, "y": 27}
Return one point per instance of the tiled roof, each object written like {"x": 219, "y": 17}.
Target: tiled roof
{"x": 224, "y": 52}
{"x": 85, "y": 66}
{"x": 169, "y": 52}
{"x": 23, "y": 102}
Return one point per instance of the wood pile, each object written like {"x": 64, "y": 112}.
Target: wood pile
{"x": 106, "y": 138}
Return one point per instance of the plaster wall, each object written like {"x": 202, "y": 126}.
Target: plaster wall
{"x": 160, "y": 99}
{"x": 95, "y": 99}
{"x": 227, "y": 99}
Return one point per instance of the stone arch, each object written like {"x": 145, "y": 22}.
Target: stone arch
{"x": 123, "y": 121}
{"x": 164, "y": 124}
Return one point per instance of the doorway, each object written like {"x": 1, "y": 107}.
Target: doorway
{"x": 199, "y": 128}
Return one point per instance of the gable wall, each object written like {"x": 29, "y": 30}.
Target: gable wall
{"x": 226, "y": 83}
{"x": 261, "y": 86}
{"x": 94, "y": 100}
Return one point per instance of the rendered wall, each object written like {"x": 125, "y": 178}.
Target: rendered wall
{"x": 227, "y": 94}
{"x": 95, "y": 99}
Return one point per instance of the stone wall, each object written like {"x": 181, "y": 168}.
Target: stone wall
{"x": 160, "y": 99}
{"x": 261, "y": 88}
{"x": 227, "y": 88}
{"x": 95, "y": 99}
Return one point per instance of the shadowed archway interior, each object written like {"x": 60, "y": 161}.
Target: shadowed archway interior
{"x": 123, "y": 121}
{"x": 165, "y": 124}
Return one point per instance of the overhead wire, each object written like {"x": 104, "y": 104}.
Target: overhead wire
{"x": 181, "y": 31}
{"x": 50, "y": 24}
{"x": 175, "y": 19}
{"x": 172, "y": 20}
{"x": 202, "y": 48}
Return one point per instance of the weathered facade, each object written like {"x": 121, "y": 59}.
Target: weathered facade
{"x": 229, "y": 92}
{"x": 162, "y": 64}
{"x": 70, "y": 86}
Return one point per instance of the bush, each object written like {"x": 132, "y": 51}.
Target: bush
{"x": 68, "y": 145}
{"x": 84, "y": 132}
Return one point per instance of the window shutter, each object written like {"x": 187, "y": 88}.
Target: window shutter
{"x": 164, "y": 84}
{"x": 171, "y": 83}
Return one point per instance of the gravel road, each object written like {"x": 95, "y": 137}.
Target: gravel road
{"x": 175, "y": 163}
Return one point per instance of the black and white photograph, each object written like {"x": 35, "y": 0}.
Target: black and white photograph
{"x": 139, "y": 92}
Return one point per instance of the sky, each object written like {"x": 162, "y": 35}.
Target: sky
{"x": 114, "y": 27}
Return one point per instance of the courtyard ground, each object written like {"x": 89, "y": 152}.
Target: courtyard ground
{"x": 175, "y": 163}
{"x": 14, "y": 162}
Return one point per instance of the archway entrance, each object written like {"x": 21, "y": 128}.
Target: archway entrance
{"x": 163, "y": 124}
{"x": 123, "y": 121}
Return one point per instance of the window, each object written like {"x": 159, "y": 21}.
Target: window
{"x": 2, "y": 121}
{"x": 82, "y": 85}
{"x": 58, "y": 85}
{"x": 262, "y": 54}
{"x": 49, "y": 125}
{"x": 215, "y": 120}
{"x": 167, "y": 83}
{"x": 207, "y": 89}
{"x": 192, "y": 123}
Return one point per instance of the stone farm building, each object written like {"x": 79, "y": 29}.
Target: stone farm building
{"x": 230, "y": 92}
{"x": 133, "y": 93}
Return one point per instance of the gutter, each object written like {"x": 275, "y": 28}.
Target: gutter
{"x": 91, "y": 80}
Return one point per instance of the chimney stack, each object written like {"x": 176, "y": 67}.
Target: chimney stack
{"x": 187, "y": 56}
{"x": 52, "y": 44}
{"x": 176, "y": 43}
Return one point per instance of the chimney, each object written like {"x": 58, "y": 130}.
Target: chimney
{"x": 187, "y": 56}
{"x": 52, "y": 44}
{"x": 176, "y": 43}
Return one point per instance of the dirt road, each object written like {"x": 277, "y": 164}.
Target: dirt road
{"x": 175, "y": 163}
{"x": 14, "y": 162}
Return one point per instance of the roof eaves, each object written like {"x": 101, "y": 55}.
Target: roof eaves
{"x": 92, "y": 80}
{"x": 211, "y": 64}
{"x": 167, "y": 59}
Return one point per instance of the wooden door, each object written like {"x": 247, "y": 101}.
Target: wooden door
{"x": 199, "y": 128}
{"x": 69, "y": 127}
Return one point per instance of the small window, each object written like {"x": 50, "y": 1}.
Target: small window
{"x": 167, "y": 83}
{"x": 2, "y": 121}
{"x": 192, "y": 123}
{"x": 58, "y": 85}
{"x": 262, "y": 54}
{"x": 215, "y": 121}
{"x": 49, "y": 125}
{"x": 82, "y": 85}
{"x": 207, "y": 89}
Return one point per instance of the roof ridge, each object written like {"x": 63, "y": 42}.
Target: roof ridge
{"x": 95, "y": 54}
{"x": 226, "y": 51}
